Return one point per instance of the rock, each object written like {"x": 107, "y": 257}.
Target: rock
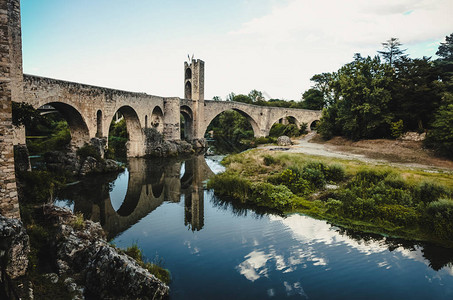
{"x": 100, "y": 144}
{"x": 284, "y": 141}
{"x": 52, "y": 277}
{"x": 85, "y": 254}
{"x": 109, "y": 267}
{"x": 14, "y": 248}
{"x": 413, "y": 136}
{"x": 90, "y": 165}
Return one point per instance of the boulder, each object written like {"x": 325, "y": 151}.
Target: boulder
{"x": 14, "y": 248}
{"x": 284, "y": 141}
{"x": 82, "y": 252}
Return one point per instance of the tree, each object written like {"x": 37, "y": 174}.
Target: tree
{"x": 256, "y": 96}
{"x": 217, "y": 98}
{"x": 361, "y": 106}
{"x": 322, "y": 84}
{"x": 242, "y": 98}
{"x": 313, "y": 99}
{"x": 445, "y": 50}
{"x": 392, "y": 51}
{"x": 440, "y": 137}
{"x": 231, "y": 96}
{"x": 415, "y": 92}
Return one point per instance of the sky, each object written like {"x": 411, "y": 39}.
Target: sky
{"x": 274, "y": 46}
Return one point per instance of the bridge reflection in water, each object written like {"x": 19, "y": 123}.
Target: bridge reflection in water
{"x": 150, "y": 183}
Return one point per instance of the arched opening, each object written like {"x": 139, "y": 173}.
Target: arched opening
{"x": 188, "y": 90}
{"x": 314, "y": 125}
{"x": 231, "y": 131}
{"x": 99, "y": 124}
{"x": 157, "y": 119}
{"x": 288, "y": 126}
{"x": 188, "y": 74}
{"x": 55, "y": 126}
{"x": 125, "y": 134}
{"x": 186, "y": 123}
{"x": 146, "y": 122}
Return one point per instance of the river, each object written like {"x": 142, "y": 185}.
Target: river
{"x": 217, "y": 250}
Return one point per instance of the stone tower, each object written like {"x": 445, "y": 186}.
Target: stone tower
{"x": 194, "y": 80}
{"x": 11, "y": 89}
{"x": 194, "y": 91}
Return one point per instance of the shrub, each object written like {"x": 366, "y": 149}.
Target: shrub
{"x": 369, "y": 177}
{"x": 269, "y": 160}
{"x": 279, "y": 196}
{"x": 292, "y": 179}
{"x": 314, "y": 173}
{"x": 335, "y": 173}
{"x": 440, "y": 218}
{"x": 397, "y": 214}
{"x": 427, "y": 192}
{"x": 231, "y": 185}
{"x": 333, "y": 205}
{"x": 88, "y": 150}
{"x": 397, "y": 128}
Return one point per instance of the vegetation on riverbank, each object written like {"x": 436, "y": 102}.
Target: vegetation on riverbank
{"x": 407, "y": 203}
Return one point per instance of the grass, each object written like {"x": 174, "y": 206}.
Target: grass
{"x": 154, "y": 267}
{"x": 396, "y": 201}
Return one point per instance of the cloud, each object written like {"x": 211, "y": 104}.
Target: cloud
{"x": 279, "y": 52}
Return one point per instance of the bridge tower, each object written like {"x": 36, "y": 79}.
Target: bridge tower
{"x": 194, "y": 90}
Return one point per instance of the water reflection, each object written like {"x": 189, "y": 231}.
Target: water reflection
{"x": 120, "y": 202}
{"x": 148, "y": 184}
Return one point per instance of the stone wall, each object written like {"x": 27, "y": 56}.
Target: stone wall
{"x": 9, "y": 90}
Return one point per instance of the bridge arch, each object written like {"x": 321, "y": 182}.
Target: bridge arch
{"x": 76, "y": 122}
{"x": 187, "y": 127}
{"x": 135, "y": 143}
{"x": 250, "y": 119}
{"x": 157, "y": 119}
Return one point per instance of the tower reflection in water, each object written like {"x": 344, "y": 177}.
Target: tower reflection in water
{"x": 149, "y": 184}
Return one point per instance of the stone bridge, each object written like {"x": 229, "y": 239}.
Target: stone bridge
{"x": 89, "y": 110}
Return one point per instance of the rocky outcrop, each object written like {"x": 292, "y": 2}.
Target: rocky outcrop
{"x": 14, "y": 248}
{"x": 284, "y": 141}
{"x": 156, "y": 146}
{"x": 56, "y": 161}
{"x": 413, "y": 136}
{"x": 21, "y": 158}
{"x": 94, "y": 266}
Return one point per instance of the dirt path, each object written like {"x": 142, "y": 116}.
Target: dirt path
{"x": 391, "y": 152}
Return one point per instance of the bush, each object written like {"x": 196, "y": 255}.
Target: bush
{"x": 279, "y": 197}
{"x": 335, "y": 173}
{"x": 427, "y": 192}
{"x": 231, "y": 185}
{"x": 88, "y": 150}
{"x": 397, "y": 128}
{"x": 314, "y": 174}
{"x": 333, "y": 205}
{"x": 291, "y": 178}
{"x": 398, "y": 214}
{"x": 440, "y": 218}
{"x": 269, "y": 160}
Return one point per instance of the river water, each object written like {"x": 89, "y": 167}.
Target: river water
{"x": 217, "y": 250}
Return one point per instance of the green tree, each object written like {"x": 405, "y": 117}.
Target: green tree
{"x": 323, "y": 84}
{"x": 415, "y": 92}
{"x": 243, "y": 98}
{"x": 256, "y": 96}
{"x": 362, "y": 106}
{"x": 392, "y": 51}
{"x": 313, "y": 99}
{"x": 440, "y": 137}
{"x": 217, "y": 98}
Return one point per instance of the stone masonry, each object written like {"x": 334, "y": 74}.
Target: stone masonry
{"x": 10, "y": 90}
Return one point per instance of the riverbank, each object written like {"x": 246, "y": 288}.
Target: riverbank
{"x": 374, "y": 197}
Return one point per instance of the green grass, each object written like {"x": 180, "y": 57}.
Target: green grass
{"x": 402, "y": 202}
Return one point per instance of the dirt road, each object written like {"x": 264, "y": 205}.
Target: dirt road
{"x": 391, "y": 152}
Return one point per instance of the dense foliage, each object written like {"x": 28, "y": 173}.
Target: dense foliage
{"x": 370, "y": 98}
{"x": 118, "y": 138}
